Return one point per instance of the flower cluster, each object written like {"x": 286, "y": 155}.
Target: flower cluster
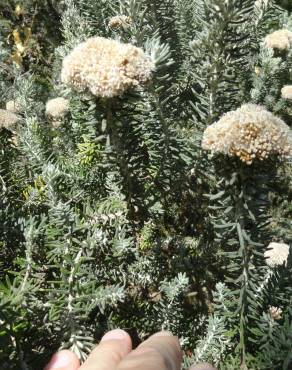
{"x": 106, "y": 67}
{"x": 281, "y": 40}
{"x": 287, "y": 92}
{"x": 119, "y": 21}
{"x": 13, "y": 106}
{"x": 276, "y": 254}
{"x": 250, "y": 133}
{"x": 259, "y": 3}
{"x": 275, "y": 312}
{"x": 8, "y": 120}
{"x": 57, "y": 108}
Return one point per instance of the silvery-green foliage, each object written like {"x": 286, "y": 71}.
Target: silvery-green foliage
{"x": 6, "y": 71}
{"x": 274, "y": 351}
{"x": 271, "y": 73}
{"x": 213, "y": 346}
{"x": 75, "y": 27}
{"x": 216, "y": 343}
{"x": 218, "y": 74}
{"x": 267, "y": 92}
{"x": 218, "y": 71}
{"x": 172, "y": 290}
{"x": 115, "y": 217}
{"x": 24, "y": 91}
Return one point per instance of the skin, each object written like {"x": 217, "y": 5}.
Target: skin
{"x": 114, "y": 352}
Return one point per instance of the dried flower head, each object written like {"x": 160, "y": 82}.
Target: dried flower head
{"x": 106, "y": 67}
{"x": 19, "y": 10}
{"x": 281, "y": 40}
{"x": 276, "y": 254}
{"x": 57, "y": 108}
{"x": 287, "y": 92}
{"x": 259, "y": 3}
{"x": 257, "y": 71}
{"x": 119, "y": 21}
{"x": 13, "y": 106}
{"x": 275, "y": 312}
{"x": 8, "y": 120}
{"x": 250, "y": 133}
{"x": 14, "y": 140}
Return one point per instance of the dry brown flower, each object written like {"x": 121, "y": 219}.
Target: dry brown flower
{"x": 259, "y": 3}
{"x": 281, "y": 40}
{"x": 105, "y": 67}
{"x": 14, "y": 140}
{"x": 257, "y": 71}
{"x": 275, "y": 312}
{"x": 57, "y": 108}
{"x": 119, "y": 21}
{"x": 8, "y": 120}
{"x": 287, "y": 92}
{"x": 249, "y": 132}
{"x": 13, "y": 106}
{"x": 276, "y": 254}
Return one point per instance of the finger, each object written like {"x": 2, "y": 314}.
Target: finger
{"x": 160, "y": 352}
{"x": 63, "y": 360}
{"x": 113, "y": 347}
{"x": 203, "y": 366}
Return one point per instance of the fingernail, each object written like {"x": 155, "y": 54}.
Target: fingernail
{"x": 59, "y": 360}
{"x": 116, "y": 334}
{"x": 164, "y": 333}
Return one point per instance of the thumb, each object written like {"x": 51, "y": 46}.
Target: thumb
{"x": 63, "y": 360}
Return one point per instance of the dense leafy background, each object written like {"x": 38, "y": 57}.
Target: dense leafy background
{"x": 127, "y": 222}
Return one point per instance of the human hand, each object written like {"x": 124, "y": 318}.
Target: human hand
{"x": 159, "y": 352}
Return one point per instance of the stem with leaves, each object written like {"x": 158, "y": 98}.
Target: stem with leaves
{"x": 115, "y": 142}
{"x": 239, "y": 224}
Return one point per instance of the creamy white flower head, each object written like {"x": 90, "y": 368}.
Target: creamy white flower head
{"x": 259, "y": 3}
{"x": 249, "y": 132}
{"x": 13, "y": 106}
{"x": 106, "y": 67}
{"x": 8, "y": 120}
{"x": 57, "y": 108}
{"x": 14, "y": 140}
{"x": 281, "y": 40}
{"x": 275, "y": 312}
{"x": 287, "y": 92}
{"x": 276, "y": 254}
{"x": 119, "y": 21}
